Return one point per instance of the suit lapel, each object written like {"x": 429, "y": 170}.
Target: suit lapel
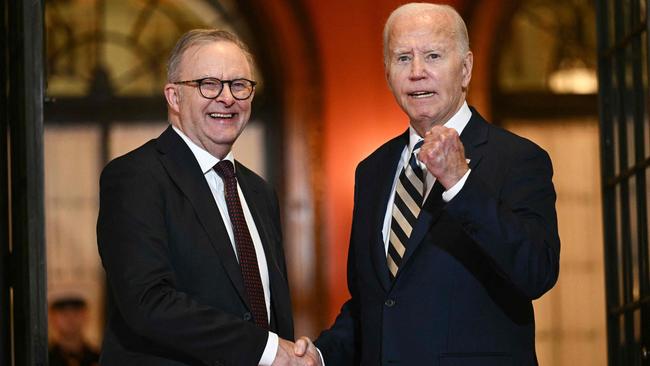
{"x": 474, "y": 137}
{"x": 255, "y": 199}
{"x": 385, "y": 177}
{"x": 184, "y": 170}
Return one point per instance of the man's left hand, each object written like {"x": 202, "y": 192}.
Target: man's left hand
{"x": 444, "y": 155}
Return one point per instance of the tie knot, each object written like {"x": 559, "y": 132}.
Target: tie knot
{"x": 415, "y": 163}
{"x": 225, "y": 169}
{"x": 414, "y": 154}
{"x": 418, "y": 145}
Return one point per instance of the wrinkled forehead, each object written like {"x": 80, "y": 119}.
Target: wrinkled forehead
{"x": 433, "y": 26}
{"x": 206, "y": 55}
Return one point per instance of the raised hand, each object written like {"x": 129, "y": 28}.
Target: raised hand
{"x": 444, "y": 155}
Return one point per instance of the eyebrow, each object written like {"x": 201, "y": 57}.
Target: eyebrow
{"x": 218, "y": 78}
{"x": 400, "y": 51}
{"x": 411, "y": 50}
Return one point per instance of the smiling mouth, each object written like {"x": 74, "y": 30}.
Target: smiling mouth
{"x": 221, "y": 115}
{"x": 421, "y": 94}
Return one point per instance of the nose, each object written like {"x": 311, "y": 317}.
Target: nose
{"x": 225, "y": 96}
{"x": 417, "y": 68}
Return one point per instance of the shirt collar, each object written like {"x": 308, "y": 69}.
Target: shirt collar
{"x": 205, "y": 159}
{"x": 458, "y": 122}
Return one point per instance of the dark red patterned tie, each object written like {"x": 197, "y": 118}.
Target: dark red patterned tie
{"x": 245, "y": 249}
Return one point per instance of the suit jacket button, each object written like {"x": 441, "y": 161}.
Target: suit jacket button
{"x": 248, "y": 316}
{"x": 390, "y": 303}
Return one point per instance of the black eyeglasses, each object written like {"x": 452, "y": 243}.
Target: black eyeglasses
{"x": 210, "y": 88}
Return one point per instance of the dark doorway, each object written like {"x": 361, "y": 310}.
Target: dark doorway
{"x": 23, "y": 326}
{"x": 625, "y": 160}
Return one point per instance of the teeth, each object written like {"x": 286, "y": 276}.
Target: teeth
{"x": 221, "y": 115}
{"x": 421, "y": 94}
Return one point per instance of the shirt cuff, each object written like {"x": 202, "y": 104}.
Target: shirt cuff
{"x": 270, "y": 351}
{"x": 449, "y": 194}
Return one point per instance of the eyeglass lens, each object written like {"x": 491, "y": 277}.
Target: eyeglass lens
{"x": 240, "y": 88}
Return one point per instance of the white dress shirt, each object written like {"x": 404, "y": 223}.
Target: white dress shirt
{"x": 458, "y": 122}
{"x": 207, "y": 161}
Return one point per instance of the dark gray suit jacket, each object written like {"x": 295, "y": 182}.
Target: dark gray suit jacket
{"x": 176, "y": 293}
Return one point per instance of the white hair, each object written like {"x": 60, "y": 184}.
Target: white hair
{"x": 459, "y": 31}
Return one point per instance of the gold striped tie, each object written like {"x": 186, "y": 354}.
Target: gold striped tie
{"x": 406, "y": 208}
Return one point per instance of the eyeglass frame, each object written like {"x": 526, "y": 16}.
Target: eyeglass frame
{"x": 223, "y": 83}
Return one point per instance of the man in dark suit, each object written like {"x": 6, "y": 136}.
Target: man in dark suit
{"x": 190, "y": 239}
{"x": 454, "y": 229}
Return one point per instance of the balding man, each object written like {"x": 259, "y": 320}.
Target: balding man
{"x": 454, "y": 229}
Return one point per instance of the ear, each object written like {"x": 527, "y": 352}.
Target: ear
{"x": 387, "y": 75}
{"x": 468, "y": 62}
{"x": 172, "y": 94}
{"x": 387, "y": 71}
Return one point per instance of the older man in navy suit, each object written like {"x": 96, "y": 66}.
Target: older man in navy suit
{"x": 454, "y": 229}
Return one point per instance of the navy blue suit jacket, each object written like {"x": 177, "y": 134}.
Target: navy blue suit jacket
{"x": 176, "y": 292}
{"x": 471, "y": 269}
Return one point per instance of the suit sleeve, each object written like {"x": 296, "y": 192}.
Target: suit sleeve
{"x": 339, "y": 345}
{"x": 514, "y": 222}
{"x": 133, "y": 245}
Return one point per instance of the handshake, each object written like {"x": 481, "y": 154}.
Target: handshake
{"x": 301, "y": 353}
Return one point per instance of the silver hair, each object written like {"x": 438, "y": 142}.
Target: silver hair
{"x": 459, "y": 31}
{"x": 202, "y": 36}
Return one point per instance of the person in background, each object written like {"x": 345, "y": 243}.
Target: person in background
{"x": 68, "y": 316}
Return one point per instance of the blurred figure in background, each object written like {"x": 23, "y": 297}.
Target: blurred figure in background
{"x": 68, "y": 315}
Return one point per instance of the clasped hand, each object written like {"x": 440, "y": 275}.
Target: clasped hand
{"x": 301, "y": 353}
{"x": 444, "y": 155}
